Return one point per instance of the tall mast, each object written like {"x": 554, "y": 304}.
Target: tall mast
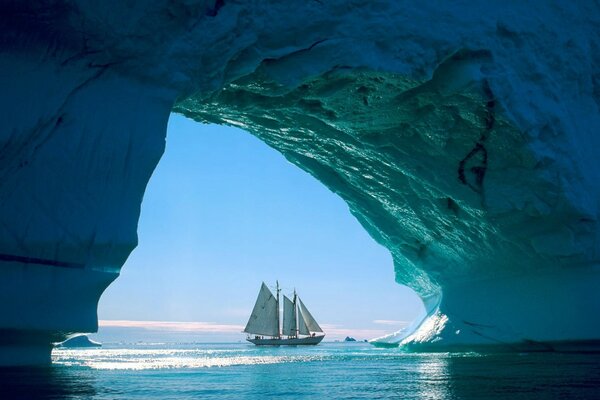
{"x": 295, "y": 315}
{"x": 278, "y": 324}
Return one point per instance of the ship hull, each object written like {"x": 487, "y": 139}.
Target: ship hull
{"x": 310, "y": 340}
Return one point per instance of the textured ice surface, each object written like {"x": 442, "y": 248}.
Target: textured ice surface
{"x": 464, "y": 139}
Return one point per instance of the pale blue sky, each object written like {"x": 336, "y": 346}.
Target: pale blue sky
{"x": 224, "y": 212}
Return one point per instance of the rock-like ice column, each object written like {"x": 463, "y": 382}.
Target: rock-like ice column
{"x": 463, "y": 139}
{"x": 74, "y": 165}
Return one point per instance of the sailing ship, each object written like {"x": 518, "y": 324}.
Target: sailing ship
{"x": 298, "y": 328}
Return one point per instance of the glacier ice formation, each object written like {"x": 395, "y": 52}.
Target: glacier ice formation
{"x": 463, "y": 138}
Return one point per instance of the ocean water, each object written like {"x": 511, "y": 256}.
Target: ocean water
{"x": 327, "y": 371}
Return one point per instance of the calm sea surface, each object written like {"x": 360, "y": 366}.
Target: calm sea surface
{"x": 327, "y": 371}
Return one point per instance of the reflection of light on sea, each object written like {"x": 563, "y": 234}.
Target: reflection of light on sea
{"x": 141, "y": 359}
{"x": 433, "y": 376}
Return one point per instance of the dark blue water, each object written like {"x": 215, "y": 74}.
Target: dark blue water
{"x": 330, "y": 370}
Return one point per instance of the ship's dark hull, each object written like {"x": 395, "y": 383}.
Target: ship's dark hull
{"x": 310, "y": 340}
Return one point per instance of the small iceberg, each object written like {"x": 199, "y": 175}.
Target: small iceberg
{"x": 79, "y": 341}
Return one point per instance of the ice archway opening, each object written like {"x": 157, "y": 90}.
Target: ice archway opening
{"x": 224, "y": 211}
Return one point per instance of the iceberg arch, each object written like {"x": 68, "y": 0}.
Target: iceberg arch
{"x": 463, "y": 139}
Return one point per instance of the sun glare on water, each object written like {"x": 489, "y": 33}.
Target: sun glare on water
{"x": 145, "y": 359}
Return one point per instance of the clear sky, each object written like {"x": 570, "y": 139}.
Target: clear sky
{"x": 224, "y": 212}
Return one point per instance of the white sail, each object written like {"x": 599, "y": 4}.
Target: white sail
{"x": 307, "y": 319}
{"x": 302, "y": 328}
{"x": 289, "y": 318}
{"x": 264, "y": 319}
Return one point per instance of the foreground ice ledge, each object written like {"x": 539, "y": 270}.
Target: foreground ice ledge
{"x": 464, "y": 141}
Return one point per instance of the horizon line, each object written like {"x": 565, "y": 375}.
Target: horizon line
{"x": 332, "y": 330}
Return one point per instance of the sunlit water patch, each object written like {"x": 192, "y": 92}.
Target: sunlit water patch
{"x": 144, "y": 358}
